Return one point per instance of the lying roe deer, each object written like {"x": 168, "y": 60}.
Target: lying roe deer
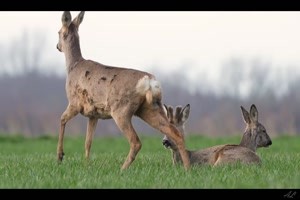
{"x": 255, "y": 136}
{"x": 98, "y": 91}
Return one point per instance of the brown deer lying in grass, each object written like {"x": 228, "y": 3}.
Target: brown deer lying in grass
{"x": 255, "y": 136}
{"x": 98, "y": 91}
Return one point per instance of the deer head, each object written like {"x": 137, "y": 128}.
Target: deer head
{"x": 177, "y": 117}
{"x": 255, "y": 135}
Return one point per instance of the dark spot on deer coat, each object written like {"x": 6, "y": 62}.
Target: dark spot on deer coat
{"x": 86, "y": 73}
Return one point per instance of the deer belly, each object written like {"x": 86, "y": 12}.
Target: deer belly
{"x": 90, "y": 106}
{"x": 89, "y": 110}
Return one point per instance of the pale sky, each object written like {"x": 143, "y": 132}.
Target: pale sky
{"x": 140, "y": 40}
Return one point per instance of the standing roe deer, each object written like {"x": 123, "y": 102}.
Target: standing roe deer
{"x": 98, "y": 91}
{"x": 255, "y": 136}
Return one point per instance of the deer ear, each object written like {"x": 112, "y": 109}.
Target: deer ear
{"x": 245, "y": 115}
{"x": 253, "y": 113}
{"x": 185, "y": 112}
{"x": 165, "y": 107}
{"x": 170, "y": 114}
{"x": 66, "y": 19}
{"x": 77, "y": 21}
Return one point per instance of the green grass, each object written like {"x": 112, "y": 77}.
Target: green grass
{"x": 31, "y": 163}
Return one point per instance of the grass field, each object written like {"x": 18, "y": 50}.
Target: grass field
{"x": 31, "y": 163}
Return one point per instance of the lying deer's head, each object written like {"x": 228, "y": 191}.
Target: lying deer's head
{"x": 178, "y": 118}
{"x": 255, "y": 135}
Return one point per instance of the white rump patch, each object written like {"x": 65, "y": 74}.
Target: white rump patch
{"x": 145, "y": 84}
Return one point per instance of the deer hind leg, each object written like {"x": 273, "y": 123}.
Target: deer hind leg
{"x": 125, "y": 125}
{"x": 92, "y": 123}
{"x": 157, "y": 119}
{"x": 68, "y": 114}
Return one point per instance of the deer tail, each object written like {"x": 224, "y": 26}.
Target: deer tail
{"x": 150, "y": 88}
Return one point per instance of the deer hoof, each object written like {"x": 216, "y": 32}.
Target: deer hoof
{"x": 60, "y": 156}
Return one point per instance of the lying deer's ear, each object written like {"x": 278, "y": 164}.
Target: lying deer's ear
{"x": 165, "y": 107}
{"x": 246, "y": 115}
{"x": 178, "y": 114}
{"x": 185, "y": 112}
{"x": 66, "y": 18}
{"x": 253, "y": 113}
{"x": 171, "y": 114}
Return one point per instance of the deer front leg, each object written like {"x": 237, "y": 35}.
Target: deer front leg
{"x": 92, "y": 123}
{"x": 68, "y": 114}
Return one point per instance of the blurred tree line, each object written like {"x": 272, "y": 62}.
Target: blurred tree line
{"x": 32, "y": 100}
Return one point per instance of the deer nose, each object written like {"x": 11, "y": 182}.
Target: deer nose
{"x": 58, "y": 48}
{"x": 166, "y": 143}
{"x": 269, "y": 143}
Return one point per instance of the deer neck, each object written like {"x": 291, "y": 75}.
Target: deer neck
{"x": 247, "y": 141}
{"x": 177, "y": 157}
{"x": 72, "y": 54}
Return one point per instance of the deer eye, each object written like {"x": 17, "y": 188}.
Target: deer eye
{"x": 65, "y": 35}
